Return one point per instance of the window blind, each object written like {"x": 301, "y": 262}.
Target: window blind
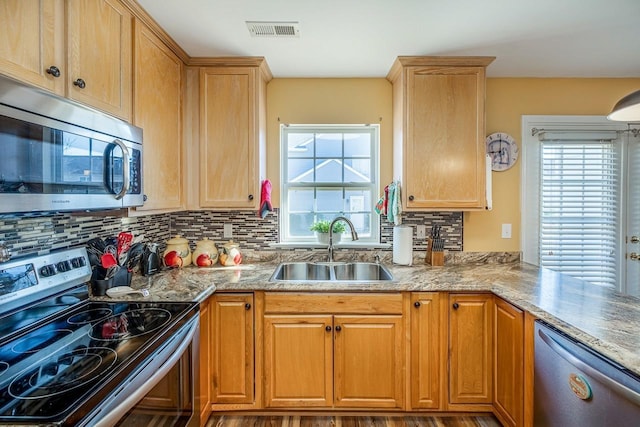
{"x": 579, "y": 207}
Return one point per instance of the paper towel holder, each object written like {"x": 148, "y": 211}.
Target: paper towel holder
{"x": 403, "y": 255}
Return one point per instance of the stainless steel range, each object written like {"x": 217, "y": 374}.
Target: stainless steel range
{"x": 66, "y": 360}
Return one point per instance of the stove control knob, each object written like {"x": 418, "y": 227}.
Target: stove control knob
{"x": 50, "y": 369}
{"x": 78, "y": 262}
{"x": 48, "y": 270}
{"x": 66, "y": 359}
{"x": 63, "y": 266}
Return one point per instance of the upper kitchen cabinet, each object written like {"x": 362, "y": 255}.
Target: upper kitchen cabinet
{"x": 35, "y": 56}
{"x": 438, "y": 121}
{"x": 99, "y": 55}
{"x": 232, "y": 132}
{"x": 158, "y": 93}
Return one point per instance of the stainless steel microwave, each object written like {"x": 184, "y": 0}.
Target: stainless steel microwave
{"x": 58, "y": 155}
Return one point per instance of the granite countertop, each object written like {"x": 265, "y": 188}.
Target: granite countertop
{"x": 601, "y": 318}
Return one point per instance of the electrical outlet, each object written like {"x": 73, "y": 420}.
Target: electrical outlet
{"x": 506, "y": 231}
{"x": 421, "y": 231}
{"x": 228, "y": 231}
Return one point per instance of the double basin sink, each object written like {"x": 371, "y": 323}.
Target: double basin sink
{"x": 351, "y": 272}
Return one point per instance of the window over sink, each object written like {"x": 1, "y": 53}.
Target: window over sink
{"x": 329, "y": 171}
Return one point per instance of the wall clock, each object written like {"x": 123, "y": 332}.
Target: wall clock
{"x": 503, "y": 151}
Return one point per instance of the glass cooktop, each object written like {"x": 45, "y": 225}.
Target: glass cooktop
{"x": 53, "y": 368}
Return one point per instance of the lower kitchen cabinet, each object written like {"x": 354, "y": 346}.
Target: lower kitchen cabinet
{"x": 298, "y": 367}
{"x": 470, "y": 349}
{"x": 204, "y": 380}
{"x": 339, "y": 356}
{"x": 232, "y": 349}
{"x": 368, "y": 352}
{"x": 508, "y": 363}
{"x": 428, "y": 351}
{"x": 341, "y": 351}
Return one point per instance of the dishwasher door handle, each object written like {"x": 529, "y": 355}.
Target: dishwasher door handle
{"x": 621, "y": 389}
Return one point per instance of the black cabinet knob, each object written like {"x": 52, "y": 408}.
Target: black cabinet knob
{"x": 416, "y": 304}
{"x": 456, "y": 305}
{"x": 250, "y": 196}
{"x": 338, "y": 328}
{"x": 327, "y": 328}
{"x": 247, "y": 306}
{"x": 54, "y": 71}
{"x": 80, "y": 83}
{"x": 411, "y": 198}
{"x": 145, "y": 198}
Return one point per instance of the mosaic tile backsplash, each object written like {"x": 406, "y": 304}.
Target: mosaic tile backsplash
{"x": 30, "y": 234}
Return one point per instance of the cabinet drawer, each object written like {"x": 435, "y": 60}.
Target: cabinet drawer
{"x": 333, "y": 303}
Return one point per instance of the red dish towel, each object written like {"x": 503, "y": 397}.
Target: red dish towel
{"x": 265, "y": 199}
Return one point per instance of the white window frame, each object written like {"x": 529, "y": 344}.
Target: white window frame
{"x": 374, "y": 185}
{"x": 530, "y": 179}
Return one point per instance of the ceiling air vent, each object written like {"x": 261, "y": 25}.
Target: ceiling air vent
{"x": 274, "y": 29}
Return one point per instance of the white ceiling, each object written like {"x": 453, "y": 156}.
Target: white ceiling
{"x": 361, "y": 38}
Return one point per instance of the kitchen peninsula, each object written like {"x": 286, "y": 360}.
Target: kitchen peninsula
{"x": 599, "y": 317}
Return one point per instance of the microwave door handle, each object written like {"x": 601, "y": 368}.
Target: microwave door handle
{"x": 125, "y": 169}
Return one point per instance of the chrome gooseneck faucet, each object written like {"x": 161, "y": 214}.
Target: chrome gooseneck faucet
{"x": 354, "y": 235}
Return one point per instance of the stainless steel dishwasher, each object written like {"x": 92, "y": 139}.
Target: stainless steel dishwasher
{"x": 576, "y": 386}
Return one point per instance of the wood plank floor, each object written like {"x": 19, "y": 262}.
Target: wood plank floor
{"x": 349, "y": 421}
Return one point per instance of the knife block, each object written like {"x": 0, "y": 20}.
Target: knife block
{"x": 434, "y": 259}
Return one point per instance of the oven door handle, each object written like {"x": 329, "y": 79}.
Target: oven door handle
{"x": 132, "y": 397}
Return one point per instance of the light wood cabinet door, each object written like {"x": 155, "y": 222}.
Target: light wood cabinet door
{"x": 470, "y": 348}
{"x": 368, "y": 361}
{"x": 427, "y": 358}
{"x": 298, "y": 360}
{"x": 33, "y": 41}
{"x": 99, "y": 54}
{"x": 232, "y": 105}
{"x": 509, "y": 363}
{"x": 205, "y": 380}
{"x": 158, "y": 111}
{"x": 232, "y": 368}
{"x": 439, "y": 121}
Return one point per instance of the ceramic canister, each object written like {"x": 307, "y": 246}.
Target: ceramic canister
{"x": 230, "y": 254}
{"x": 177, "y": 253}
{"x": 205, "y": 254}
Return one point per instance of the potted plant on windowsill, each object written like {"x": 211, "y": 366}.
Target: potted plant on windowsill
{"x": 321, "y": 229}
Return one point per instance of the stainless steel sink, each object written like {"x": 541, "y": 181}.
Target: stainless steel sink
{"x": 301, "y": 271}
{"x": 364, "y": 272}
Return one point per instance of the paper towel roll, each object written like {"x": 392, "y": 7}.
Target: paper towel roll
{"x": 403, "y": 244}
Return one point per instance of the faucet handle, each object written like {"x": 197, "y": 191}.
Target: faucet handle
{"x": 377, "y": 258}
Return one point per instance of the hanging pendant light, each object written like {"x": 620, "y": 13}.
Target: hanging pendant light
{"x": 627, "y": 109}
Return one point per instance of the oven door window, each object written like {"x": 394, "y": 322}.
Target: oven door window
{"x": 41, "y": 160}
{"x": 169, "y": 403}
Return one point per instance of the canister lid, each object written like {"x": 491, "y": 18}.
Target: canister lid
{"x": 177, "y": 240}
